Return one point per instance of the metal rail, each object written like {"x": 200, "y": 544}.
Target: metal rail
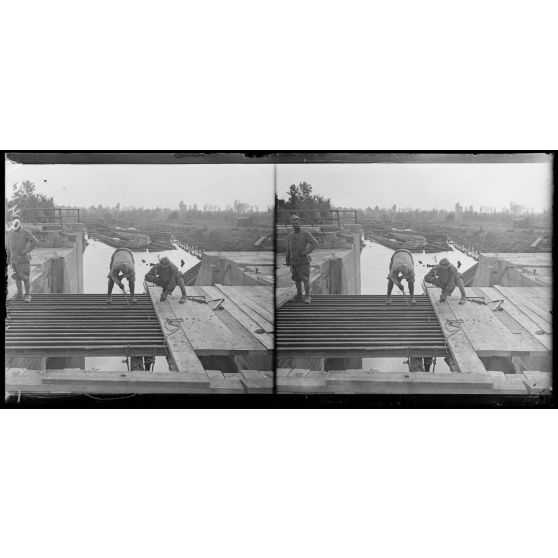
{"x": 83, "y": 325}
{"x": 358, "y": 326}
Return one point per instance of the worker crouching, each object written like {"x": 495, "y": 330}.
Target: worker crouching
{"x": 167, "y": 275}
{"x": 122, "y": 267}
{"x": 401, "y": 267}
{"x": 446, "y": 277}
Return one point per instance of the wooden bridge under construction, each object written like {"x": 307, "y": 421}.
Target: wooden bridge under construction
{"x": 216, "y": 321}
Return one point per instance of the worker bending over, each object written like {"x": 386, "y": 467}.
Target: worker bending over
{"x": 167, "y": 275}
{"x": 20, "y": 243}
{"x": 401, "y": 267}
{"x": 300, "y": 244}
{"x": 122, "y": 267}
{"x": 446, "y": 277}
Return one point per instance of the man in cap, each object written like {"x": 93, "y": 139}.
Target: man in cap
{"x": 20, "y": 243}
{"x": 401, "y": 267}
{"x": 446, "y": 277}
{"x": 122, "y": 267}
{"x": 300, "y": 244}
{"x": 167, "y": 275}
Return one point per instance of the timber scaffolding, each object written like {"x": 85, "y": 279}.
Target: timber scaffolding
{"x": 216, "y": 321}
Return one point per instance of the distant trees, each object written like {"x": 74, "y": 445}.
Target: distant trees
{"x": 32, "y": 205}
{"x": 301, "y": 198}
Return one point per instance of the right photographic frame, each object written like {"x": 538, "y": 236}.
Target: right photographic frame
{"x": 414, "y": 273}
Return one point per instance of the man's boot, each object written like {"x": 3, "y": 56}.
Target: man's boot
{"x": 388, "y": 300}
{"x": 298, "y": 297}
{"x": 183, "y": 299}
{"x": 463, "y": 300}
{"x": 109, "y": 299}
{"x": 163, "y": 297}
{"x": 443, "y": 297}
{"x": 307, "y": 298}
{"x": 27, "y": 297}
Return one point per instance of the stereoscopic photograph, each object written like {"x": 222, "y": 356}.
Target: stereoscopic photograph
{"x": 415, "y": 274}
{"x": 136, "y": 278}
{"x": 282, "y": 274}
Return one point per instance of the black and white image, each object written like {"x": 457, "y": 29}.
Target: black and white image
{"x": 415, "y": 275}
{"x": 139, "y": 279}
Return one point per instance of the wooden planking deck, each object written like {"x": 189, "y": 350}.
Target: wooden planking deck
{"x": 181, "y": 350}
{"x": 536, "y": 302}
{"x": 262, "y": 316}
{"x": 207, "y": 333}
{"x": 487, "y": 334}
{"x": 515, "y": 312}
{"x": 260, "y": 302}
{"x": 249, "y": 324}
{"x": 459, "y": 345}
{"x": 234, "y": 320}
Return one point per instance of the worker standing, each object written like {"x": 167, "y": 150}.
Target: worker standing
{"x": 401, "y": 267}
{"x": 300, "y": 244}
{"x": 167, "y": 275}
{"x": 20, "y": 243}
{"x": 446, "y": 277}
{"x": 122, "y": 267}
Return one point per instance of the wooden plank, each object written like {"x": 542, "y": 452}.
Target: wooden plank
{"x": 298, "y": 372}
{"x": 243, "y": 296}
{"x": 136, "y": 378}
{"x": 458, "y": 344}
{"x": 282, "y": 372}
{"x": 255, "y": 381}
{"x": 263, "y": 318}
{"x": 251, "y": 326}
{"x": 306, "y": 384}
{"x": 227, "y": 385}
{"x": 215, "y": 375}
{"x": 94, "y": 382}
{"x": 518, "y": 315}
{"x": 364, "y": 381}
{"x": 181, "y": 351}
{"x": 488, "y": 335}
{"x": 205, "y": 331}
{"x": 544, "y": 320}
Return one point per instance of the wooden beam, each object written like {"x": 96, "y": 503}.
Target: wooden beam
{"x": 459, "y": 345}
{"x": 181, "y": 351}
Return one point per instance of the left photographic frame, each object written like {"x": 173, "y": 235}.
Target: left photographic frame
{"x": 137, "y": 273}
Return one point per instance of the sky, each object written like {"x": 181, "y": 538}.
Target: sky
{"x": 425, "y": 186}
{"x": 148, "y": 186}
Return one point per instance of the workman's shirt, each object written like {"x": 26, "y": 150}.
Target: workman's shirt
{"x": 19, "y": 243}
{"x": 166, "y": 273}
{"x": 402, "y": 266}
{"x": 445, "y": 275}
{"x": 122, "y": 262}
{"x": 299, "y": 245}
